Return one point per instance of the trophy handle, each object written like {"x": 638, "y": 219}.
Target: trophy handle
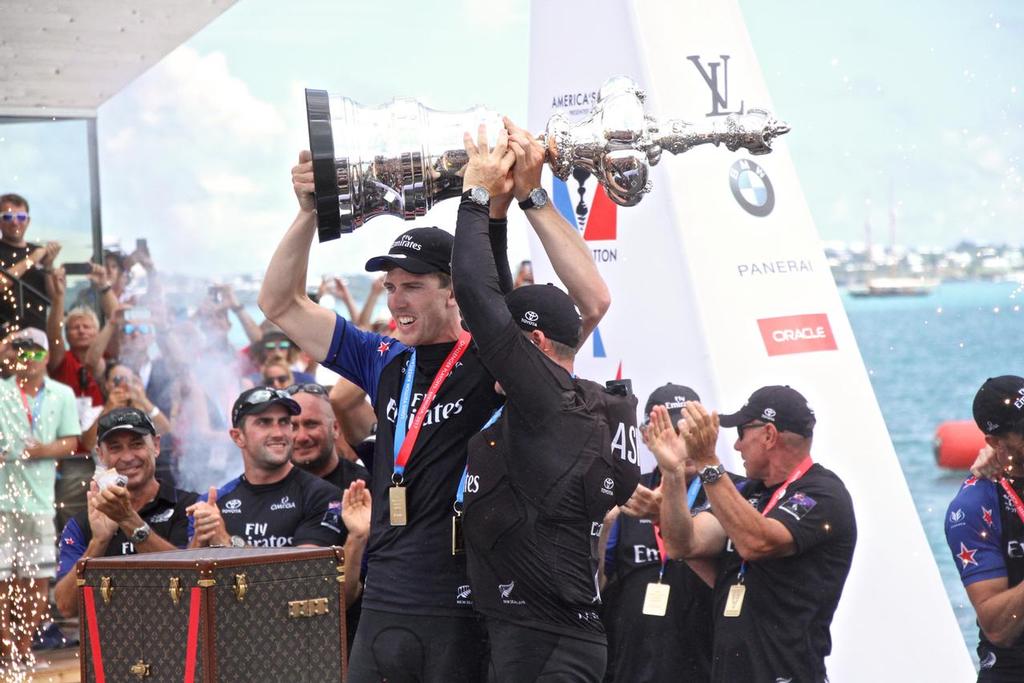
{"x": 753, "y": 131}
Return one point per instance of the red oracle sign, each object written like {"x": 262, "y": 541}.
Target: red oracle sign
{"x": 797, "y": 334}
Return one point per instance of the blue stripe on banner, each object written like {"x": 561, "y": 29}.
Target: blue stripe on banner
{"x": 560, "y": 192}
{"x": 598, "y": 344}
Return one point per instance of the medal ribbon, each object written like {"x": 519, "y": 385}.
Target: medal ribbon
{"x": 406, "y": 441}
{"x": 800, "y": 471}
{"x": 691, "y": 496}
{"x": 1018, "y": 504}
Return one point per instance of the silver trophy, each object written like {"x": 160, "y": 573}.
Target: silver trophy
{"x": 402, "y": 158}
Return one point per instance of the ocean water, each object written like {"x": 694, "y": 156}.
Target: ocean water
{"x": 926, "y": 357}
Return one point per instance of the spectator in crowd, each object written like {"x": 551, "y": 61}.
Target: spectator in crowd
{"x": 357, "y": 423}
{"x": 275, "y": 345}
{"x": 23, "y": 300}
{"x": 278, "y": 374}
{"x": 524, "y": 275}
{"x": 546, "y": 470}
{"x": 143, "y": 516}
{"x": 38, "y": 424}
{"x": 657, "y": 611}
{"x": 782, "y": 553}
{"x": 985, "y": 532}
{"x": 65, "y": 364}
{"x": 122, "y": 388}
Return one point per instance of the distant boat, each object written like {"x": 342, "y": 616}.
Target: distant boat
{"x": 894, "y": 286}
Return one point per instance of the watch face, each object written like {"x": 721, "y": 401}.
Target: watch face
{"x": 479, "y": 195}
{"x": 237, "y": 542}
{"x": 539, "y": 196}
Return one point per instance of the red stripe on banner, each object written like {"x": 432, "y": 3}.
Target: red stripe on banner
{"x": 193, "y": 634}
{"x": 94, "y": 633}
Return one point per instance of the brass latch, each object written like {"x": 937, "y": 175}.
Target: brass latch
{"x": 241, "y": 586}
{"x": 174, "y": 588}
{"x": 307, "y": 608}
{"x": 341, "y": 573}
{"x": 139, "y": 669}
{"x": 106, "y": 589}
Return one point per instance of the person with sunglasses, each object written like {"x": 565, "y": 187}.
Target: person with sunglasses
{"x": 275, "y": 345}
{"x": 38, "y": 425}
{"x": 781, "y": 550}
{"x": 22, "y": 267}
{"x": 143, "y": 516}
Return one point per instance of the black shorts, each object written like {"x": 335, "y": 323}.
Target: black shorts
{"x": 520, "y": 654}
{"x": 409, "y": 648}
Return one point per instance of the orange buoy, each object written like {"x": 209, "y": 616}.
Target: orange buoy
{"x": 957, "y": 443}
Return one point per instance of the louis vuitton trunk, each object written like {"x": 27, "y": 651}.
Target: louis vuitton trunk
{"x": 224, "y": 615}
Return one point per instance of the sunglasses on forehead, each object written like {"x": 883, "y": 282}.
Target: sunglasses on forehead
{"x": 31, "y": 354}
{"x": 257, "y": 397}
{"x": 132, "y": 418}
{"x": 309, "y": 388}
{"x": 11, "y": 216}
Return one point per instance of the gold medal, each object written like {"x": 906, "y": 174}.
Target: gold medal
{"x": 458, "y": 546}
{"x": 656, "y": 599}
{"x": 396, "y": 496}
{"x": 734, "y": 603}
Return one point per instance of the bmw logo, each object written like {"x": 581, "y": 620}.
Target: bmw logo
{"x": 752, "y": 188}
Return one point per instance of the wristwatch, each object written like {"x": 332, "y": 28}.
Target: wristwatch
{"x": 237, "y": 542}
{"x": 478, "y": 195}
{"x": 141, "y": 534}
{"x": 538, "y": 198}
{"x": 712, "y": 473}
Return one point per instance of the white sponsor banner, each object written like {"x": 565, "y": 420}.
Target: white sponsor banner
{"x": 719, "y": 282}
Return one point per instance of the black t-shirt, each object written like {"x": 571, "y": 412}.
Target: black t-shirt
{"x": 783, "y": 628}
{"x": 165, "y": 515}
{"x": 300, "y": 509}
{"x": 347, "y": 472}
{"x": 675, "y": 648}
{"x": 35, "y": 302}
{"x": 543, "y": 476}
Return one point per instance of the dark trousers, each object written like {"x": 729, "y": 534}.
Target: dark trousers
{"x": 409, "y": 648}
{"x": 520, "y": 655}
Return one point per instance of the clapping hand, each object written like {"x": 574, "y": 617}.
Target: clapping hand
{"x": 355, "y": 509}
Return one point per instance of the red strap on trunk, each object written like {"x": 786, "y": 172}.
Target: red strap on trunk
{"x": 94, "y": 633}
{"x": 193, "y": 634}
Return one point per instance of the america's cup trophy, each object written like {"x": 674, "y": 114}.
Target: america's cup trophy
{"x": 402, "y": 158}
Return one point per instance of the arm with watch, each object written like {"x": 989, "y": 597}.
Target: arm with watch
{"x": 570, "y": 257}
{"x": 115, "y": 502}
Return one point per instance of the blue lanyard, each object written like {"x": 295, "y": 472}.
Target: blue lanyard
{"x": 461, "y": 492}
{"x": 402, "y": 419}
{"x": 692, "y": 492}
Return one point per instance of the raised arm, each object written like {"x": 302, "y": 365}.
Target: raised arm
{"x": 283, "y": 296}
{"x": 56, "y": 286}
{"x": 568, "y": 253}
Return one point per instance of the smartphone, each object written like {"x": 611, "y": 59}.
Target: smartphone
{"x": 118, "y": 380}
{"x": 78, "y": 268}
{"x": 142, "y": 246}
{"x": 215, "y": 293}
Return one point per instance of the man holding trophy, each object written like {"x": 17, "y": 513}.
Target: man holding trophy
{"x": 431, "y": 393}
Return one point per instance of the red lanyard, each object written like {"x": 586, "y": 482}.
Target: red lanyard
{"x": 1018, "y": 505}
{"x": 28, "y": 411}
{"x": 402, "y": 457}
{"x": 800, "y": 471}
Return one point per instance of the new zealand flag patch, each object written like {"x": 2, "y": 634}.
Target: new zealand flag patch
{"x": 798, "y": 505}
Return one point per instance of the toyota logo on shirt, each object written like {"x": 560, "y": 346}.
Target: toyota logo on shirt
{"x": 797, "y": 334}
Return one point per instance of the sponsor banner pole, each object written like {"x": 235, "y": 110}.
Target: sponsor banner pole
{"x": 719, "y": 282}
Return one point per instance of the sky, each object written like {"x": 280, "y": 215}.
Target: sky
{"x": 911, "y": 105}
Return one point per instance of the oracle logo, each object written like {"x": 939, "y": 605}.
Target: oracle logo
{"x": 797, "y": 334}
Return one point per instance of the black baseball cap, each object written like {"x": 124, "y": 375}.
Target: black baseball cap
{"x": 124, "y": 419}
{"x": 782, "y": 406}
{"x": 548, "y": 309}
{"x": 420, "y": 251}
{"x": 673, "y": 397}
{"x": 254, "y": 401}
{"x": 999, "y": 404}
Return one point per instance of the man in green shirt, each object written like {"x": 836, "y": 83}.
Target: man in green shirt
{"x": 38, "y": 425}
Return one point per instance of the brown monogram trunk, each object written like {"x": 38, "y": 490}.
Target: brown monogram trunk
{"x": 230, "y": 615}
